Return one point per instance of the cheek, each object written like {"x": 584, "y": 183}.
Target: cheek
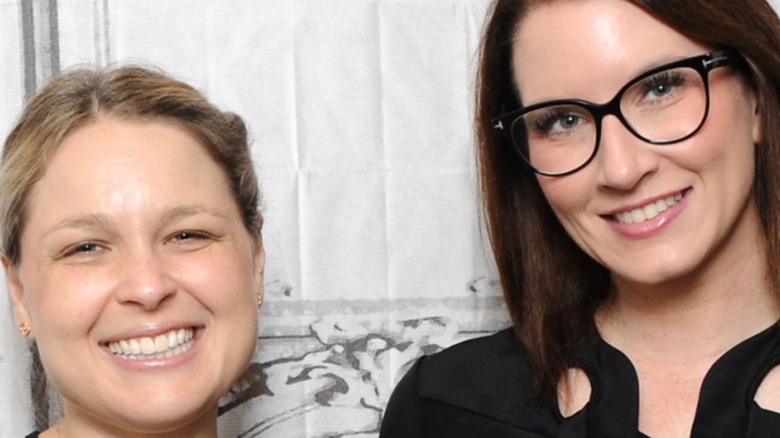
{"x": 227, "y": 289}
{"x": 567, "y": 196}
{"x": 725, "y": 145}
{"x": 66, "y": 304}
{"x": 222, "y": 281}
{"x": 64, "y": 309}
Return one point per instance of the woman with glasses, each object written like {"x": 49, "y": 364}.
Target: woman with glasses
{"x": 629, "y": 155}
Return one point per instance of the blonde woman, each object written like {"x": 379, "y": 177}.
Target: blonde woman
{"x": 132, "y": 250}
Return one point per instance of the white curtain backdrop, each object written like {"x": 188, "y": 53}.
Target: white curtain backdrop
{"x": 360, "y": 114}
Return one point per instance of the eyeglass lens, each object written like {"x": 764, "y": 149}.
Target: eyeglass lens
{"x": 662, "y": 108}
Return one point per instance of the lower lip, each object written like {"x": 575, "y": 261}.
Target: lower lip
{"x": 157, "y": 364}
{"x": 655, "y": 225}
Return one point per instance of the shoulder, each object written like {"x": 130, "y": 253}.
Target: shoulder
{"x": 487, "y": 375}
{"x": 486, "y": 378}
{"x": 480, "y": 366}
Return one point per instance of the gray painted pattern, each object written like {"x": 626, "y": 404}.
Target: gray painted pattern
{"x": 101, "y": 32}
{"x": 40, "y": 43}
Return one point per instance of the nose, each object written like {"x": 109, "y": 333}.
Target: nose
{"x": 623, "y": 159}
{"x": 145, "y": 282}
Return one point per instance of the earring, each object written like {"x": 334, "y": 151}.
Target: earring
{"x": 260, "y": 299}
{"x": 25, "y": 329}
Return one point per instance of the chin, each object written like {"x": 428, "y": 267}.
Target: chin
{"x": 655, "y": 267}
{"x": 657, "y": 276}
{"x": 167, "y": 410}
{"x": 155, "y": 418}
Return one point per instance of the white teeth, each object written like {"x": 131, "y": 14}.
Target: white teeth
{"x": 162, "y": 346}
{"x": 135, "y": 346}
{"x": 649, "y": 211}
{"x": 147, "y": 346}
{"x": 161, "y": 343}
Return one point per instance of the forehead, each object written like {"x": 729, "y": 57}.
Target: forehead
{"x": 110, "y": 135}
{"x": 589, "y": 48}
{"x": 128, "y": 154}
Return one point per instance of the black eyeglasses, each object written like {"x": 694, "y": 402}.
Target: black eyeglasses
{"x": 665, "y": 105}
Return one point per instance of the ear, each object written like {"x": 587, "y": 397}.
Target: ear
{"x": 16, "y": 291}
{"x": 758, "y": 123}
{"x": 259, "y": 266}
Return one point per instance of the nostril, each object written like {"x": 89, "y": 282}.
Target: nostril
{"x": 623, "y": 159}
{"x": 145, "y": 283}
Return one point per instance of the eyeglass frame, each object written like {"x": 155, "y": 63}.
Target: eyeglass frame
{"x": 703, "y": 64}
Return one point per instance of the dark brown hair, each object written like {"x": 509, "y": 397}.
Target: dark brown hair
{"x": 551, "y": 287}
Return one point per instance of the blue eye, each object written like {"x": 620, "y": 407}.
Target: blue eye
{"x": 84, "y": 248}
{"x": 87, "y": 247}
{"x": 188, "y": 235}
{"x": 557, "y": 122}
{"x": 663, "y": 84}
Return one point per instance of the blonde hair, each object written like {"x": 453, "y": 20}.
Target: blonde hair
{"x": 79, "y": 97}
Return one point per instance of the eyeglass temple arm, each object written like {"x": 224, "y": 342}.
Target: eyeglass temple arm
{"x": 719, "y": 58}
{"x": 497, "y": 122}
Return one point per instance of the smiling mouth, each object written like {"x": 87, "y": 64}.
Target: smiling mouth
{"x": 648, "y": 211}
{"x": 166, "y": 345}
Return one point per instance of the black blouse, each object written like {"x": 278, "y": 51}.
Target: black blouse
{"x": 480, "y": 388}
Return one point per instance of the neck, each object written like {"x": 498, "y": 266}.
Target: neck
{"x": 81, "y": 427}
{"x": 686, "y": 329}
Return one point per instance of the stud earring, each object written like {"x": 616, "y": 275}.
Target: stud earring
{"x": 25, "y": 329}
{"x": 260, "y": 300}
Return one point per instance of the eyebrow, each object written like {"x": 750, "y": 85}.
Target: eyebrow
{"x": 191, "y": 210}
{"x": 648, "y": 66}
{"x": 82, "y": 221}
{"x": 98, "y": 220}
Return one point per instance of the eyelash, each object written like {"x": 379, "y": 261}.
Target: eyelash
{"x": 82, "y": 248}
{"x": 182, "y": 236}
{"x": 545, "y": 124}
{"x": 666, "y": 78}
